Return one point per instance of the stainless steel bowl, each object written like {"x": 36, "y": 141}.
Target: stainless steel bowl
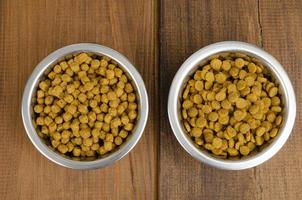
{"x": 44, "y": 66}
{"x": 201, "y": 57}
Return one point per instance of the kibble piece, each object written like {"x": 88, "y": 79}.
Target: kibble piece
{"x": 259, "y": 140}
{"x": 196, "y": 132}
{"x": 276, "y": 109}
{"x": 241, "y": 103}
{"x": 198, "y": 75}
{"x": 187, "y": 104}
{"x": 254, "y": 109}
{"x": 215, "y": 105}
{"x": 43, "y": 85}
{"x": 62, "y": 148}
{"x": 208, "y": 85}
{"x": 233, "y": 97}
{"x": 239, "y": 115}
{"x": 241, "y": 84}
{"x": 128, "y": 127}
{"x": 81, "y": 58}
{"x": 108, "y": 146}
{"x": 72, "y": 109}
{"x": 244, "y": 128}
{"x": 88, "y": 86}
{"x": 114, "y": 103}
{"x": 184, "y": 114}
{"x": 197, "y": 99}
{"x": 201, "y": 122}
{"x": 271, "y": 117}
{"x": 231, "y": 88}
{"x": 76, "y": 151}
{"x": 209, "y": 77}
{"x": 220, "y": 78}
{"x": 252, "y": 97}
{"x": 123, "y": 134}
{"x": 220, "y": 96}
{"x": 128, "y": 88}
{"x": 75, "y": 67}
{"x": 273, "y": 132}
{"x": 199, "y": 141}
{"x": 226, "y": 65}
{"x": 47, "y": 109}
{"x": 199, "y": 85}
{"x": 85, "y": 133}
{"x": 118, "y": 140}
{"x": 208, "y": 136}
{"x": 48, "y": 100}
{"x": 208, "y": 146}
{"x": 273, "y": 91}
{"x": 131, "y": 97}
{"x": 83, "y": 109}
{"x": 239, "y": 62}
{"x": 216, "y": 64}
{"x": 38, "y": 108}
{"x": 231, "y": 131}
{"x": 67, "y": 116}
{"x": 192, "y": 112}
{"x": 244, "y": 150}
{"x": 111, "y": 95}
{"x": 252, "y": 68}
{"x": 213, "y": 116}
{"x": 224, "y": 120}
{"x": 66, "y": 78}
{"x": 260, "y": 131}
{"x": 68, "y": 98}
{"x": 226, "y": 104}
{"x": 268, "y": 126}
{"x": 232, "y": 151}
{"x": 59, "y": 120}
{"x": 249, "y": 80}
{"x": 186, "y": 93}
{"x": 217, "y": 142}
{"x": 234, "y": 72}
{"x": 211, "y": 96}
{"x": 278, "y": 120}
{"x": 116, "y": 122}
{"x": 242, "y": 74}
{"x": 88, "y": 142}
{"x": 40, "y": 94}
{"x": 275, "y": 101}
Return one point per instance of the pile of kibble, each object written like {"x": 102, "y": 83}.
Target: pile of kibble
{"x": 232, "y": 106}
{"x": 85, "y": 107}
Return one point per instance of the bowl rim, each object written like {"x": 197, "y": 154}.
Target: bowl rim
{"x": 53, "y": 58}
{"x": 270, "y": 62}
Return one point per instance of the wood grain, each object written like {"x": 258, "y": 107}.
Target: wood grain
{"x": 185, "y": 27}
{"x": 157, "y": 36}
{"x": 30, "y": 30}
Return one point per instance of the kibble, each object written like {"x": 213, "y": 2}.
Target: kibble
{"x": 86, "y": 106}
{"x": 231, "y": 107}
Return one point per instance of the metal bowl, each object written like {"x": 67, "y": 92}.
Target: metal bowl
{"x": 201, "y": 57}
{"x": 39, "y": 72}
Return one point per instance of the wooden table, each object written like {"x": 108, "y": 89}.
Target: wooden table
{"x": 156, "y": 36}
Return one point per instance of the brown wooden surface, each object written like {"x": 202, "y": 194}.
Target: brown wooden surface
{"x": 156, "y": 36}
{"x": 186, "y": 26}
{"x": 30, "y": 30}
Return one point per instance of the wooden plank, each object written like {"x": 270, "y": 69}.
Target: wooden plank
{"x": 30, "y": 30}
{"x": 281, "y": 24}
{"x": 186, "y": 26}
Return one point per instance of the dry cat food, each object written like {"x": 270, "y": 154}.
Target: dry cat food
{"x": 85, "y": 107}
{"x": 232, "y": 106}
